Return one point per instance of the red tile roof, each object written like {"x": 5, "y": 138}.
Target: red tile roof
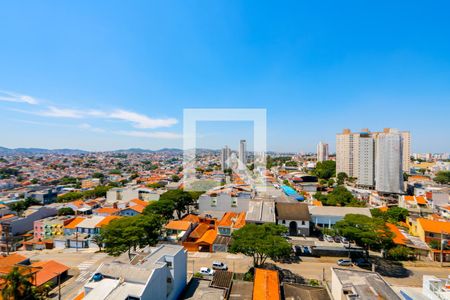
{"x": 49, "y": 270}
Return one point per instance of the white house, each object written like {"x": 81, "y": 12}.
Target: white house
{"x": 294, "y": 216}
{"x": 156, "y": 273}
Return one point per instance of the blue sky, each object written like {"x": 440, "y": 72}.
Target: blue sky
{"x": 104, "y": 75}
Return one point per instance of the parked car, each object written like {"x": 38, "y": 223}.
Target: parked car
{"x": 337, "y": 239}
{"x": 362, "y": 263}
{"x": 329, "y": 238}
{"x": 344, "y": 262}
{"x": 217, "y": 265}
{"x": 344, "y": 240}
{"x": 306, "y": 250}
{"x": 206, "y": 271}
{"x": 320, "y": 237}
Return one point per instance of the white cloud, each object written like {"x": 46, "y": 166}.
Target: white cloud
{"x": 89, "y": 127}
{"x": 141, "y": 121}
{"x": 15, "y": 97}
{"x": 148, "y": 134}
{"x": 56, "y": 112}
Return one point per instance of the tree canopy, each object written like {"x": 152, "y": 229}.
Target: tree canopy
{"x": 340, "y": 196}
{"x": 125, "y": 234}
{"x": 367, "y": 232}
{"x": 181, "y": 200}
{"x": 65, "y": 211}
{"x": 442, "y": 177}
{"x": 392, "y": 215}
{"x": 325, "y": 169}
{"x": 17, "y": 285}
{"x": 163, "y": 208}
{"x": 260, "y": 242}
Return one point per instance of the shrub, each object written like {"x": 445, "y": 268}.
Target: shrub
{"x": 400, "y": 253}
{"x": 198, "y": 275}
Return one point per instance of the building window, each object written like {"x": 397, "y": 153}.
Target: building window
{"x": 169, "y": 280}
{"x": 284, "y": 221}
{"x": 169, "y": 264}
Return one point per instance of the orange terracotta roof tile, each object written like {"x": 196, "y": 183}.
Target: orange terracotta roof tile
{"x": 192, "y": 218}
{"x": 77, "y": 203}
{"x": 434, "y": 226}
{"x": 137, "y": 208}
{"x": 199, "y": 231}
{"x": 409, "y": 198}
{"x": 74, "y": 223}
{"x": 178, "y": 225}
{"x": 209, "y": 237}
{"x": 79, "y": 296}
{"x": 10, "y": 260}
{"x": 398, "y": 238}
{"x": 266, "y": 285}
{"x": 50, "y": 269}
{"x": 421, "y": 200}
{"x": 106, "y": 221}
{"x": 140, "y": 202}
{"x": 317, "y": 203}
{"x": 107, "y": 210}
{"x": 8, "y": 216}
{"x": 237, "y": 220}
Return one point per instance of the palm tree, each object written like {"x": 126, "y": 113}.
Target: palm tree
{"x": 17, "y": 285}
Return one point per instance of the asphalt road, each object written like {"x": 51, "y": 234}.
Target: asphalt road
{"x": 314, "y": 268}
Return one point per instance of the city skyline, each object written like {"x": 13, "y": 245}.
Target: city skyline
{"x": 122, "y": 77}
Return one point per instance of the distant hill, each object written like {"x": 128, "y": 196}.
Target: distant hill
{"x": 35, "y": 151}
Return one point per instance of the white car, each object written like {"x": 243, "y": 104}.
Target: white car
{"x": 206, "y": 271}
{"x": 217, "y": 265}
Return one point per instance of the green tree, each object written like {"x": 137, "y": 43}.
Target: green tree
{"x": 124, "y": 234}
{"x": 367, "y": 232}
{"x": 397, "y": 214}
{"x": 163, "y": 208}
{"x": 400, "y": 253}
{"x": 341, "y": 177}
{"x": 442, "y": 177}
{"x": 261, "y": 242}
{"x": 70, "y": 196}
{"x": 340, "y": 196}
{"x": 182, "y": 200}
{"x": 175, "y": 178}
{"x": 17, "y": 285}
{"x": 325, "y": 169}
{"x": 98, "y": 240}
{"x": 65, "y": 211}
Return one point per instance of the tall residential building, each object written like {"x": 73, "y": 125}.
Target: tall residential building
{"x": 388, "y": 162}
{"x": 322, "y": 151}
{"x": 225, "y": 156}
{"x": 243, "y": 152}
{"x": 356, "y": 154}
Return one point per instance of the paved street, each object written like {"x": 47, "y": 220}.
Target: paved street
{"x": 310, "y": 267}
{"x": 82, "y": 263}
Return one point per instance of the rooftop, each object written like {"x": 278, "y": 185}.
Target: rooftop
{"x": 261, "y": 211}
{"x": 292, "y": 211}
{"x": 366, "y": 285}
{"x": 338, "y": 211}
{"x": 266, "y": 285}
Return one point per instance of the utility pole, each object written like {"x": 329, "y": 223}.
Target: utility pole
{"x": 59, "y": 286}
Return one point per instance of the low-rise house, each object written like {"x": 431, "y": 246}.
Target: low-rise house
{"x": 107, "y": 211}
{"x": 266, "y": 285}
{"x": 294, "y": 216}
{"x": 42, "y": 271}
{"x": 49, "y": 228}
{"x": 327, "y": 216}
{"x": 230, "y": 197}
{"x": 156, "y": 273}
{"x": 402, "y": 238}
{"x": 46, "y": 196}
{"x": 355, "y": 284}
{"x": 13, "y": 226}
{"x": 134, "y": 207}
{"x": 433, "y": 231}
{"x": 126, "y": 194}
{"x": 230, "y": 222}
{"x": 178, "y": 230}
{"x": 261, "y": 211}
